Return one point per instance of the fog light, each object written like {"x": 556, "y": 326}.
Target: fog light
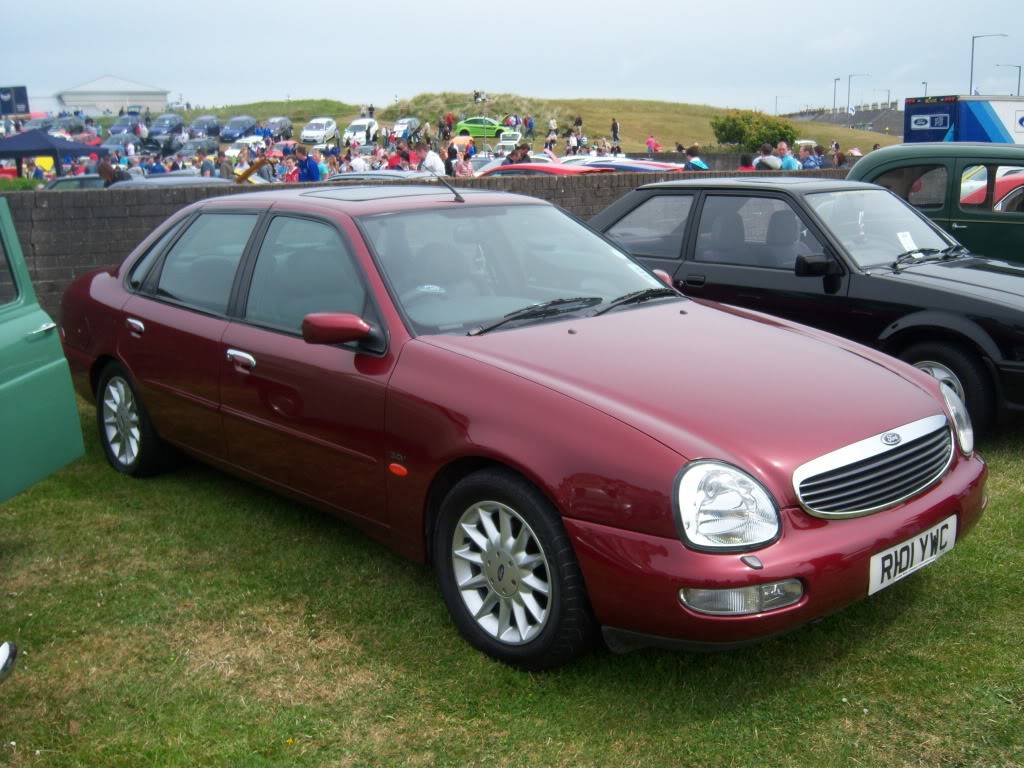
{"x": 743, "y": 600}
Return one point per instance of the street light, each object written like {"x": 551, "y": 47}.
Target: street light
{"x": 888, "y": 94}
{"x": 970, "y": 88}
{"x": 849, "y": 81}
{"x": 835, "y": 85}
{"x": 925, "y": 84}
{"x": 1018, "y": 68}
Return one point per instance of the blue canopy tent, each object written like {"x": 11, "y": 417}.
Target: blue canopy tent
{"x": 38, "y": 143}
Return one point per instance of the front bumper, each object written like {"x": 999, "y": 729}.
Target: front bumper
{"x": 633, "y": 579}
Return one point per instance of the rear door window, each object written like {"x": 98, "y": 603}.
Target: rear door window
{"x": 923, "y": 186}
{"x": 200, "y": 269}
{"x": 655, "y": 228}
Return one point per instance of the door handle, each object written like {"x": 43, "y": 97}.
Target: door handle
{"x": 44, "y": 328}
{"x": 959, "y": 226}
{"x": 135, "y": 326}
{"x": 694, "y": 280}
{"x": 242, "y": 359}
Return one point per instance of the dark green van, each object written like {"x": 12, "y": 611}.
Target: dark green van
{"x": 975, "y": 191}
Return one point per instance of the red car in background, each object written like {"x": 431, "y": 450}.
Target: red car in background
{"x": 482, "y": 383}
{"x": 542, "y": 169}
{"x": 1007, "y": 196}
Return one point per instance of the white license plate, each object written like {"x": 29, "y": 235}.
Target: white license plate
{"x": 892, "y": 564}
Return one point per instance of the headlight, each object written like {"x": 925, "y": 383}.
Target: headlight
{"x": 721, "y": 507}
{"x": 961, "y": 419}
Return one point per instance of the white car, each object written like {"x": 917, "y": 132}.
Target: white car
{"x": 252, "y": 143}
{"x": 535, "y": 158}
{"x": 356, "y": 131}
{"x": 319, "y": 130}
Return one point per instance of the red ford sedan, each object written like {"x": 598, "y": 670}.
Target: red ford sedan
{"x": 482, "y": 383}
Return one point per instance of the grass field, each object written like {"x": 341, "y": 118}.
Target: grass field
{"x": 194, "y": 620}
{"x": 670, "y": 122}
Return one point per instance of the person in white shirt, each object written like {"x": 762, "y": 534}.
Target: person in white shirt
{"x": 431, "y": 161}
{"x": 358, "y": 164}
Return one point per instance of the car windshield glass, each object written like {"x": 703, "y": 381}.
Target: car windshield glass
{"x": 239, "y": 122}
{"x": 462, "y": 268}
{"x": 166, "y": 121}
{"x": 874, "y": 226}
{"x": 315, "y": 126}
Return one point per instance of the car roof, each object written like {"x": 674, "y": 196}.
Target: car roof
{"x": 789, "y": 183}
{"x": 926, "y": 149}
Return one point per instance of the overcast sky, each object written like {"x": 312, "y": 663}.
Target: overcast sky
{"x": 742, "y": 54}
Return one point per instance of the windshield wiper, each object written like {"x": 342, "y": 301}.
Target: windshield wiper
{"x": 636, "y": 297}
{"x": 955, "y": 252}
{"x": 536, "y": 311}
{"x": 913, "y": 256}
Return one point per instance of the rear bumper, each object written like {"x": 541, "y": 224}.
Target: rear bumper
{"x": 633, "y": 579}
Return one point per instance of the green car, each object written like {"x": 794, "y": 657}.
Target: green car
{"x": 39, "y": 426}
{"x": 974, "y": 191}
{"x": 479, "y": 128}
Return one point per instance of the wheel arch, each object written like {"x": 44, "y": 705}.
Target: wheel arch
{"x": 935, "y": 326}
{"x": 96, "y": 369}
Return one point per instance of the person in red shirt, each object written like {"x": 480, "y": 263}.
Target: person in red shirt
{"x": 745, "y": 164}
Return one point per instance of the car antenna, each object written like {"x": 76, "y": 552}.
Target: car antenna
{"x": 458, "y": 198}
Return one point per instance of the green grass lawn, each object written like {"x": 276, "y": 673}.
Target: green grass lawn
{"x": 195, "y": 620}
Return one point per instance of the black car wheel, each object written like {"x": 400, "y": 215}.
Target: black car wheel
{"x": 508, "y": 572}
{"x": 959, "y": 368}
{"x": 129, "y": 440}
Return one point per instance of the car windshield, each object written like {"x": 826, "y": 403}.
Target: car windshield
{"x": 316, "y": 125}
{"x": 193, "y": 145}
{"x": 164, "y": 121}
{"x": 455, "y": 270}
{"x": 874, "y": 226}
{"x": 358, "y": 125}
{"x": 239, "y": 122}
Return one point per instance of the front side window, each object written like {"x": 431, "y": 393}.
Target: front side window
{"x": 923, "y": 186}
{"x": 200, "y": 269}
{"x": 303, "y": 267}
{"x": 455, "y": 269}
{"x": 8, "y": 288}
{"x": 655, "y": 227}
{"x": 752, "y": 232}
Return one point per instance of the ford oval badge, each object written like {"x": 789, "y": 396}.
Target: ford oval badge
{"x": 891, "y": 438}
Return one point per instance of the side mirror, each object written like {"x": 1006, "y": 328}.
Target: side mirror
{"x": 815, "y": 265}
{"x": 8, "y": 653}
{"x": 334, "y": 328}
{"x": 664, "y": 276}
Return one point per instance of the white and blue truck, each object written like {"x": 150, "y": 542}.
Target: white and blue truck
{"x": 997, "y": 119}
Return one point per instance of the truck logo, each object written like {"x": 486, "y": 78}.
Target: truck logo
{"x": 929, "y": 122}
{"x": 1020, "y": 122}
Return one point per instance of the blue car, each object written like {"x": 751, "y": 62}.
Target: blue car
{"x": 237, "y": 127}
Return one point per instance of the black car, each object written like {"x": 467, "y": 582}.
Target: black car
{"x": 848, "y": 257}
{"x": 39, "y": 123}
{"x": 65, "y": 183}
{"x": 125, "y": 124}
{"x": 167, "y": 125}
{"x": 205, "y": 125}
{"x": 237, "y": 127}
{"x": 193, "y": 147}
{"x": 118, "y": 142}
{"x": 70, "y": 124}
{"x": 280, "y": 128}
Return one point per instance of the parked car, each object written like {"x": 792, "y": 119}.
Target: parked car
{"x": 280, "y": 128}
{"x": 38, "y": 124}
{"x": 118, "y": 142}
{"x": 205, "y": 125}
{"x": 349, "y": 345}
{"x": 38, "y": 412}
{"x": 167, "y": 125}
{"x": 540, "y": 169}
{"x": 124, "y": 124}
{"x": 407, "y": 128}
{"x": 162, "y": 145}
{"x": 479, "y": 127}
{"x": 251, "y": 143}
{"x": 365, "y": 131}
{"x": 384, "y": 174}
{"x": 489, "y": 163}
{"x": 237, "y": 128}
{"x": 70, "y": 125}
{"x": 319, "y": 130}
{"x": 85, "y": 181}
{"x": 193, "y": 147}
{"x": 628, "y": 165}
{"x": 171, "y": 180}
{"x": 849, "y": 258}
{"x": 942, "y": 180}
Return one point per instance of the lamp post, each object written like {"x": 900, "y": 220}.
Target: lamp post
{"x": 849, "y": 81}
{"x": 888, "y": 94}
{"x": 1018, "y": 68}
{"x": 835, "y": 86}
{"x": 925, "y": 84}
{"x": 970, "y": 88}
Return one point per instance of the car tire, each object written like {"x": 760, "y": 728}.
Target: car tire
{"x": 512, "y": 565}
{"x": 120, "y": 413}
{"x": 969, "y": 377}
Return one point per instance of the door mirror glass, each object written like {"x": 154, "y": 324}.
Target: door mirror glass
{"x": 334, "y": 328}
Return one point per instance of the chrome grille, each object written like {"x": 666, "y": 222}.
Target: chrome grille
{"x": 872, "y": 474}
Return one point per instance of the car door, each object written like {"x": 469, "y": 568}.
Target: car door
{"x": 655, "y": 230}
{"x": 308, "y": 417}
{"x": 743, "y": 251}
{"x": 40, "y": 430}
{"x": 171, "y": 328}
{"x": 987, "y": 217}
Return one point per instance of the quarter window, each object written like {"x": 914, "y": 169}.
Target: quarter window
{"x": 303, "y": 266}
{"x": 974, "y": 188}
{"x": 1009, "y": 189}
{"x": 143, "y": 265}
{"x": 8, "y": 288}
{"x": 200, "y": 268}
{"x": 923, "y": 186}
{"x": 655, "y": 228}
{"x": 752, "y": 232}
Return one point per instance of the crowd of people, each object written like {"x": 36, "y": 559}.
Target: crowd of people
{"x": 808, "y": 158}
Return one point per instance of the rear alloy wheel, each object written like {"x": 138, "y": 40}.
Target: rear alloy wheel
{"x": 508, "y": 573}
{"x": 960, "y": 370}
{"x": 126, "y": 433}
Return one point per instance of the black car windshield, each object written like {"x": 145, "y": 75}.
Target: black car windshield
{"x": 874, "y": 226}
{"x": 458, "y": 269}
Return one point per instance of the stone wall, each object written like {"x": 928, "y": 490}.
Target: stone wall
{"x": 66, "y": 234}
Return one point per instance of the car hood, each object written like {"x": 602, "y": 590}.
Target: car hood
{"x": 711, "y": 381}
{"x": 987, "y": 279}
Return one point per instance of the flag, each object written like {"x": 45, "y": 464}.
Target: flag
{"x": 852, "y": 110}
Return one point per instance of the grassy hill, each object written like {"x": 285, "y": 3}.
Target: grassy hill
{"x": 669, "y": 122}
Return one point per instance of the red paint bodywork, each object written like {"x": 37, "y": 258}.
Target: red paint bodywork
{"x": 552, "y": 169}
{"x": 601, "y": 420}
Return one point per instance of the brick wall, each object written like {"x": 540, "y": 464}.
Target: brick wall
{"x": 65, "y": 234}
